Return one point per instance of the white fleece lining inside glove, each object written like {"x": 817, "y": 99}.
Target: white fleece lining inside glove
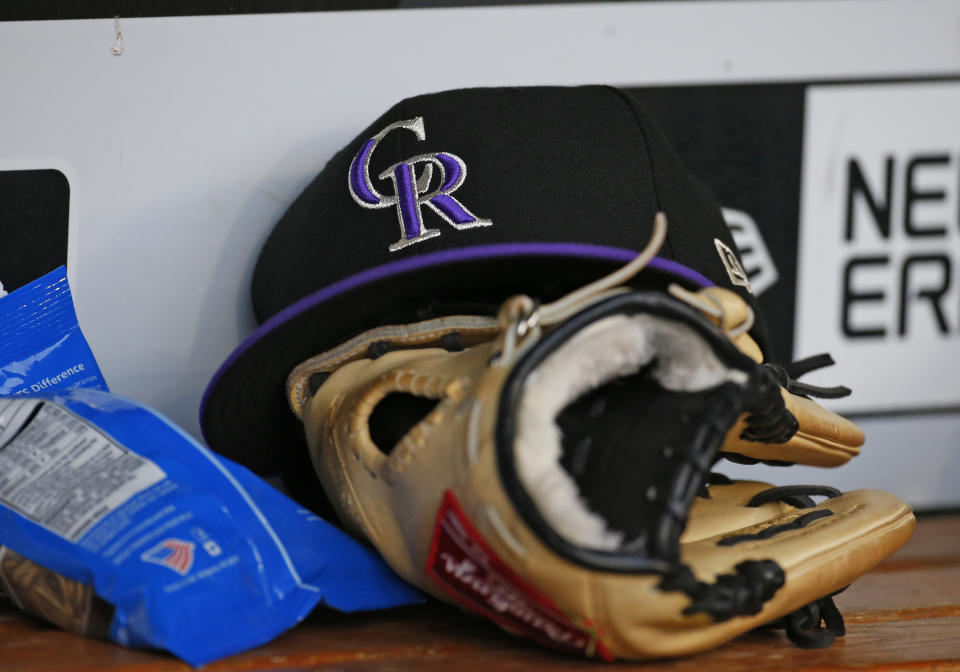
{"x": 611, "y": 348}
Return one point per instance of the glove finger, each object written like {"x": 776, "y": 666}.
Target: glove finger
{"x": 820, "y": 437}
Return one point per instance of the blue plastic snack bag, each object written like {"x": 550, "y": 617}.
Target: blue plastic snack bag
{"x": 194, "y": 553}
{"x": 41, "y": 345}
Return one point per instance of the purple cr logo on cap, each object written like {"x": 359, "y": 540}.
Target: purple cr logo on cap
{"x": 410, "y": 194}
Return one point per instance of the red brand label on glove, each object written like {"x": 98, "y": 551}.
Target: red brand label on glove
{"x": 468, "y": 569}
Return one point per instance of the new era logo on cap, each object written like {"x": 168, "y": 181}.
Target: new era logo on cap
{"x": 756, "y": 260}
{"x": 411, "y": 193}
{"x": 732, "y": 265}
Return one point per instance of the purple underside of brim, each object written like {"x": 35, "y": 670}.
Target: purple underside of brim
{"x": 468, "y": 254}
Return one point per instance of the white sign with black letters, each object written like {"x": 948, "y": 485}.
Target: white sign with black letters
{"x": 878, "y": 276}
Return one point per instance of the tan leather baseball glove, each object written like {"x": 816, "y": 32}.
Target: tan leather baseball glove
{"x": 544, "y": 470}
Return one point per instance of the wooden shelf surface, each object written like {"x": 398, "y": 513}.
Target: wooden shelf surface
{"x": 904, "y": 615}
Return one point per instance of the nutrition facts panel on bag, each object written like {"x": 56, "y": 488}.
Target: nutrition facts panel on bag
{"x": 61, "y": 472}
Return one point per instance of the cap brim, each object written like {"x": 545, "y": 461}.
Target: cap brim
{"x": 244, "y": 413}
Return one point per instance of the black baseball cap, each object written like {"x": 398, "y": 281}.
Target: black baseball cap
{"x": 448, "y": 204}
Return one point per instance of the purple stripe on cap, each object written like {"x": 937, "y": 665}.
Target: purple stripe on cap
{"x": 678, "y": 269}
{"x": 464, "y": 254}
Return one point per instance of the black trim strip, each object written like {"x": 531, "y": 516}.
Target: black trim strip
{"x": 32, "y": 10}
